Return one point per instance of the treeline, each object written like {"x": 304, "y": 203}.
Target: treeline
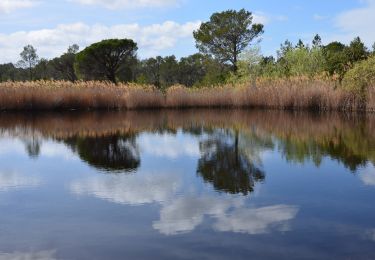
{"x": 194, "y": 70}
{"x": 226, "y": 55}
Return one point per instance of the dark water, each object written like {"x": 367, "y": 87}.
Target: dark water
{"x": 187, "y": 185}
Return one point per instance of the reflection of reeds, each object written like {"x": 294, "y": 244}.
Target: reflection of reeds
{"x": 349, "y": 137}
{"x": 296, "y": 94}
{"x": 298, "y": 124}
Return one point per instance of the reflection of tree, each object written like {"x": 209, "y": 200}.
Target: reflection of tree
{"x": 316, "y": 149}
{"x": 114, "y": 152}
{"x": 32, "y": 147}
{"x": 227, "y": 166}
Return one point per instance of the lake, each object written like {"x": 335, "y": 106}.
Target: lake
{"x": 190, "y": 184}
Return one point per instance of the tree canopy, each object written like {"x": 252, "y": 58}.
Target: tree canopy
{"x": 227, "y": 34}
{"x": 29, "y": 59}
{"x": 102, "y": 60}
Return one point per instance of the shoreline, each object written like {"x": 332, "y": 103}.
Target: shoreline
{"x": 289, "y": 95}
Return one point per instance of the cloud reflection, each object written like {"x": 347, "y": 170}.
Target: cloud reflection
{"x": 129, "y": 189}
{"x": 257, "y": 220}
{"x": 40, "y": 255}
{"x": 185, "y": 214}
{"x": 14, "y": 180}
{"x": 368, "y": 176}
{"x": 169, "y": 146}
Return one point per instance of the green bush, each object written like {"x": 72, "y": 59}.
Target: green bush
{"x": 361, "y": 76}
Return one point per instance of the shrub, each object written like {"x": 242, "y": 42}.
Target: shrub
{"x": 361, "y": 77}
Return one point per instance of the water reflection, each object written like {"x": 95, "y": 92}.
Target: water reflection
{"x": 109, "y": 138}
{"x": 10, "y": 180}
{"x": 229, "y": 215}
{"x": 40, "y": 255}
{"x": 227, "y": 166}
{"x": 112, "y": 152}
{"x": 130, "y": 189}
{"x": 258, "y": 180}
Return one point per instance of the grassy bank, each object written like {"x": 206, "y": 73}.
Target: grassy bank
{"x": 293, "y": 94}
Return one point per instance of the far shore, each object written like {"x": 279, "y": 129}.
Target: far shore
{"x": 288, "y": 94}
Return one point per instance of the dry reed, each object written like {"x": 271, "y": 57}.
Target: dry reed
{"x": 293, "y": 94}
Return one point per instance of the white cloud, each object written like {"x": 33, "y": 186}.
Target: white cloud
{"x": 7, "y": 6}
{"x": 169, "y": 146}
{"x": 318, "y": 17}
{"x": 115, "y": 4}
{"x": 50, "y": 43}
{"x": 41, "y": 255}
{"x": 357, "y": 22}
{"x": 129, "y": 189}
{"x": 13, "y": 180}
{"x": 261, "y": 18}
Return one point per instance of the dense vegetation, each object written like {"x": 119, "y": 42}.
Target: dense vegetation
{"x": 229, "y": 53}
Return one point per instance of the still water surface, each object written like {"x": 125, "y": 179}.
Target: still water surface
{"x": 194, "y": 184}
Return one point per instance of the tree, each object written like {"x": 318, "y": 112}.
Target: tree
{"x": 64, "y": 65}
{"x": 192, "y": 69}
{"x": 227, "y": 34}
{"x": 356, "y": 51}
{"x": 169, "y": 71}
{"x": 7, "y": 72}
{"x": 41, "y": 69}
{"x": 300, "y": 44}
{"x": 317, "y": 41}
{"x": 336, "y": 58}
{"x": 29, "y": 59}
{"x": 102, "y": 60}
{"x": 150, "y": 70}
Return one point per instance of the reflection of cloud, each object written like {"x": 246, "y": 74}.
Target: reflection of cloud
{"x": 13, "y": 180}
{"x": 371, "y": 234}
{"x": 52, "y": 149}
{"x": 41, "y": 255}
{"x": 185, "y": 214}
{"x": 368, "y": 176}
{"x": 9, "y": 145}
{"x": 129, "y": 189}
{"x": 258, "y": 220}
{"x": 169, "y": 146}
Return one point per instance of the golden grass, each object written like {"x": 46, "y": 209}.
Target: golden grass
{"x": 296, "y": 94}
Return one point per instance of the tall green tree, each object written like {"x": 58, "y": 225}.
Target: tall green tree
{"x": 103, "y": 60}
{"x": 336, "y": 58}
{"x": 64, "y": 65}
{"x": 317, "y": 41}
{"x": 356, "y": 51}
{"x": 227, "y": 34}
{"x": 191, "y": 69}
{"x": 7, "y": 72}
{"x": 29, "y": 59}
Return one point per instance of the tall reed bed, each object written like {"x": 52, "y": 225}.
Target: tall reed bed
{"x": 294, "y": 94}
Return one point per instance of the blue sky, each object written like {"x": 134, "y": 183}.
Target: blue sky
{"x": 164, "y": 27}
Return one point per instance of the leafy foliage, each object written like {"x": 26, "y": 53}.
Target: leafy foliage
{"x": 227, "y": 34}
{"x": 361, "y": 76}
{"x": 102, "y": 60}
